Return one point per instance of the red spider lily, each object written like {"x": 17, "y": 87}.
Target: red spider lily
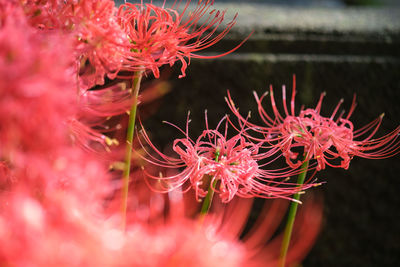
{"x": 99, "y": 41}
{"x": 330, "y": 140}
{"x": 160, "y": 35}
{"x": 229, "y": 166}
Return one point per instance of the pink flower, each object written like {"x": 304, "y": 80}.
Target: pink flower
{"x": 330, "y": 140}
{"x": 159, "y": 35}
{"x": 231, "y": 166}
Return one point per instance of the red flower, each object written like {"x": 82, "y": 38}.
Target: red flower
{"x": 233, "y": 165}
{"x": 160, "y": 35}
{"x": 330, "y": 140}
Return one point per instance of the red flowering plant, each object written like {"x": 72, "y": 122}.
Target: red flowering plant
{"x": 71, "y": 72}
{"x": 329, "y": 140}
{"x": 160, "y": 35}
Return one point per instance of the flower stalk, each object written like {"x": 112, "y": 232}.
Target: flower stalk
{"x": 137, "y": 78}
{"x": 292, "y": 215}
{"x": 210, "y": 194}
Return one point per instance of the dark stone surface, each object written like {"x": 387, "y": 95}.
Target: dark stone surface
{"x": 343, "y": 52}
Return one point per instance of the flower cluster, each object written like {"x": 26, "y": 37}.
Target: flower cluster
{"x": 229, "y": 166}
{"x": 160, "y": 35}
{"x": 331, "y": 141}
{"x": 235, "y": 166}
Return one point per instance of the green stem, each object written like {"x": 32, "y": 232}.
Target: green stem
{"x": 210, "y": 194}
{"x": 291, "y": 216}
{"x": 129, "y": 139}
{"x": 208, "y": 199}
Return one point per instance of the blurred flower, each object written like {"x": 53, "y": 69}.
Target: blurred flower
{"x": 244, "y": 232}
{"x": 263, "y": 240}
{"x": 37, "y": 99}
{"x": 248, "y": 228}
{"x": 101, "y": 118}
{"x": 183, "y": 243}
{"x": 330, "y": 140}
{"x": 57, "y": 230}
{"x": 230, "y": 166}
{"x": 160, "y": 35}
{"x": 37, "y": 94}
